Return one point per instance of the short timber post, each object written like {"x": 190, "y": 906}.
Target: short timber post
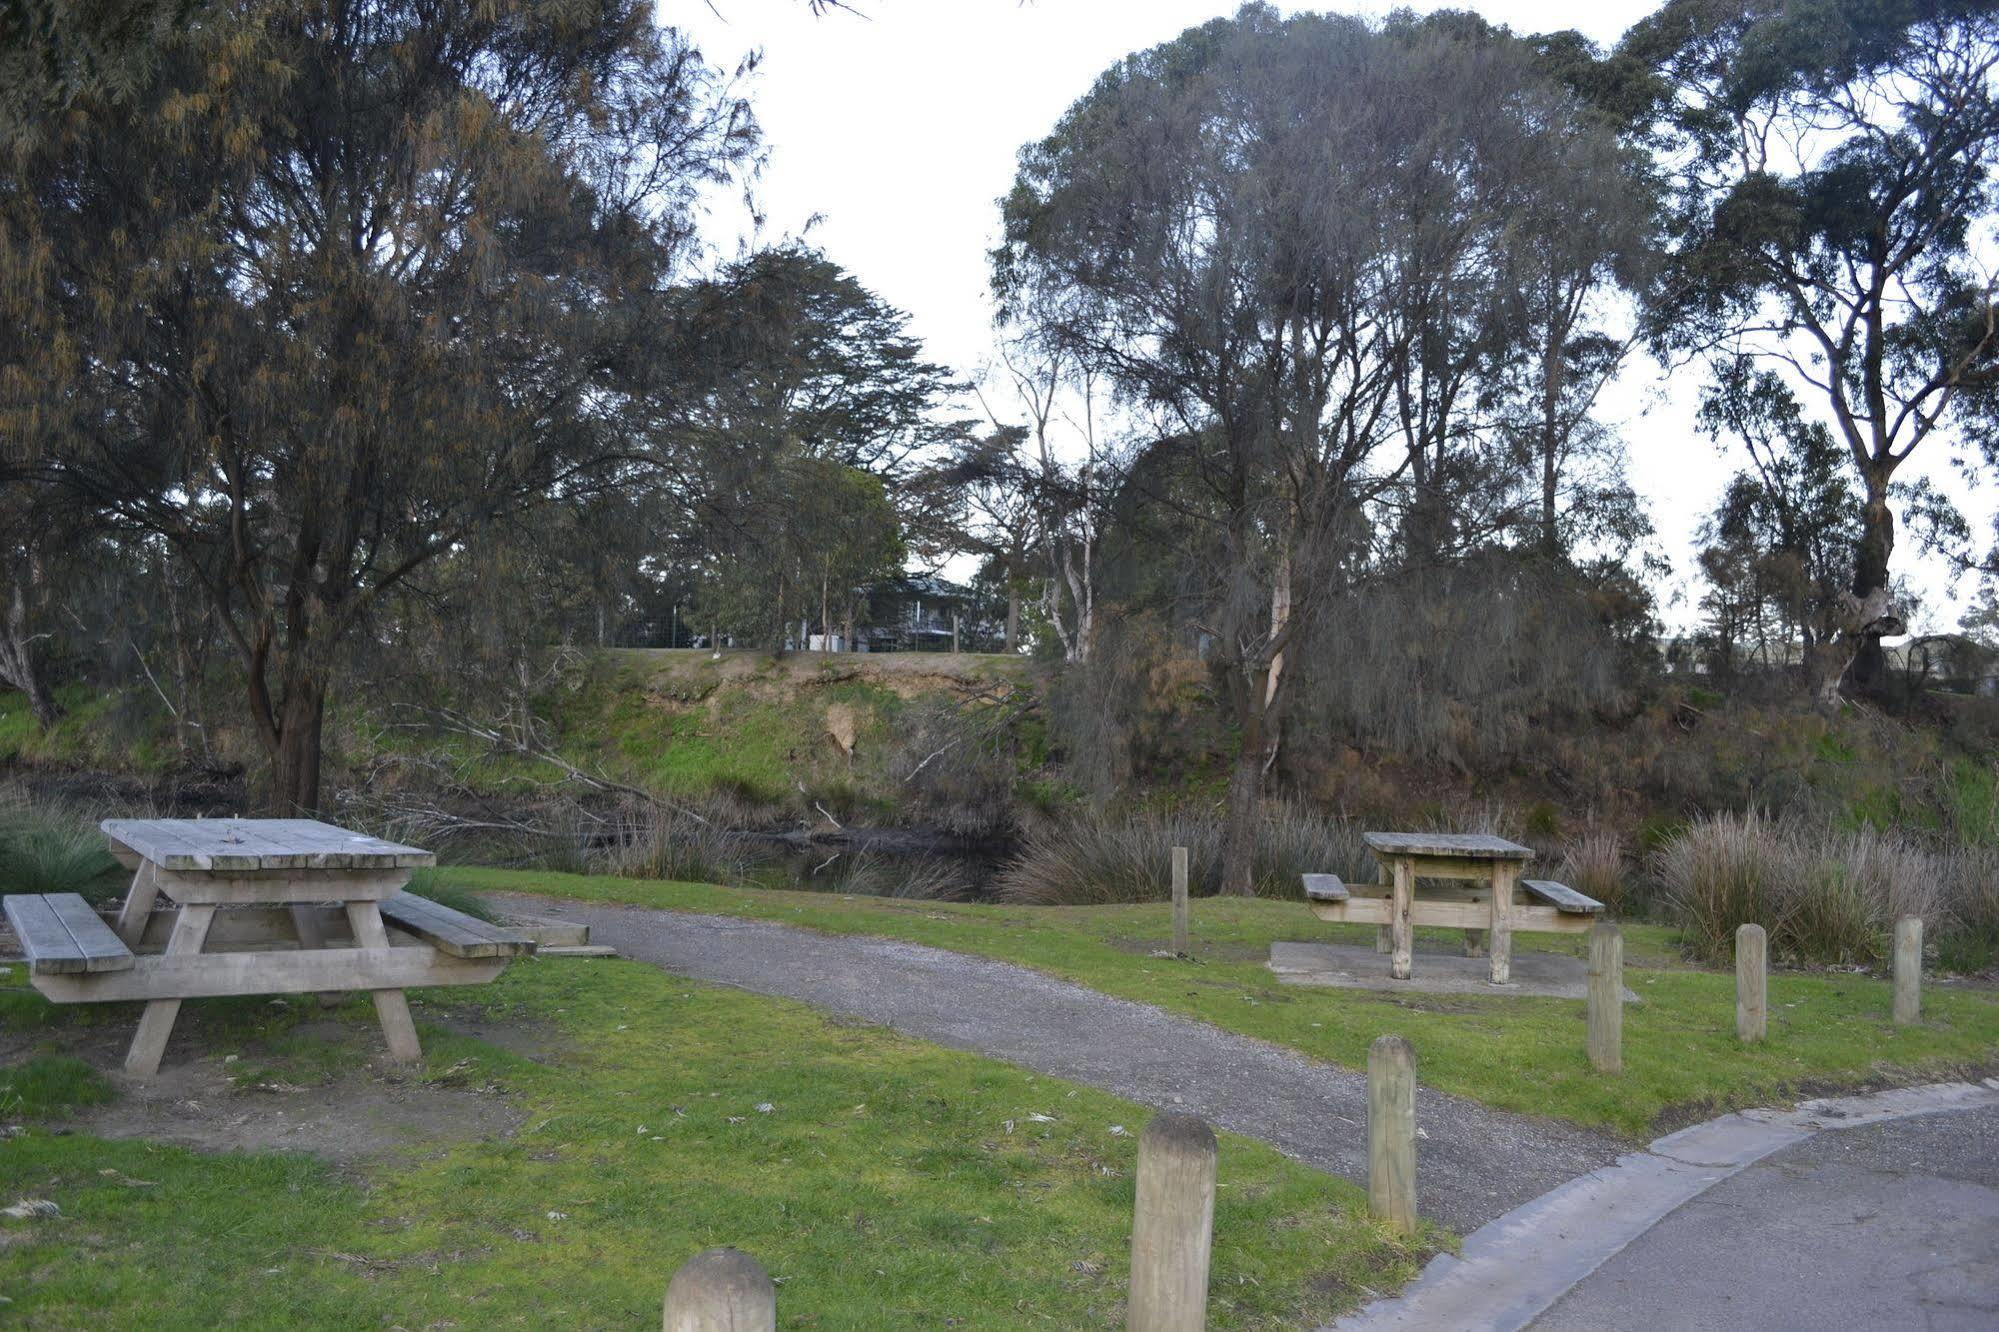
{"x": 720, "y": 1290}
{"x": 1908, "y": 970}
{"x": 1391, "y": 1132}
{"x": 1752, "y": 984}
{"x": 1606, "y": 998}
{"x": 1181, "y": 947}
{"x": 1172, "y": 1227}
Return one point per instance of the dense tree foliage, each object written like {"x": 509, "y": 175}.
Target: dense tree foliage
{"x": 371, "y": 346}
{"x": 1835, "y": 167}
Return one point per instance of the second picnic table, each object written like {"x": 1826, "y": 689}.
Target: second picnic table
{"x": 258, "y": 906}
{"x": 1481, "y": 879}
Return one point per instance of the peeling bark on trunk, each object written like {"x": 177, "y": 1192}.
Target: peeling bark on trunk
{"x": 17, "y": 659}
{"x": 1873, "y": 615}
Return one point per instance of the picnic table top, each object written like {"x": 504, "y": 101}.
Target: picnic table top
{"x": 1463, "y": 846}
{"x": 259, "y": 844}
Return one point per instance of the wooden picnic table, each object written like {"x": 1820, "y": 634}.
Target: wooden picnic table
{"x": 255, "y": 906}
{"x": 1467, "y": 880}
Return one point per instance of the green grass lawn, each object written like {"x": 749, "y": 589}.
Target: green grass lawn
{"x": 1681, "y": 1058}
{"x": 884, "y": 1182}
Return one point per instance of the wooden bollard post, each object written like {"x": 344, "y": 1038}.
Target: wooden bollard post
{"x": 720, "y": 1290}
{"x": 1172, "y": 1226}
{"x": 1752, "y": 984}
{"x": 1908, "y": 970}
{"x": 1606, "y": 998}
{"x": 1391, "y": 1132}
{"x": 1181, "y": 946}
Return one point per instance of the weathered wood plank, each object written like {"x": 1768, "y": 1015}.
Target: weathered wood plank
{"x": 1449, "y": 915}
{"x": 101, "y": 949}
{"x": 1562, "y": 897}
{"x": 1446, "y": 845}
{"x": 1499, "y": 934}
{"x": 50, "y": 948}
{"x": 256, "y": 927}
{"x": 253, "y": 887}
{"x": 392, "y": 1007}
{"x": 258, "y": 844}
{"x": 156, "y": 1024}
{"x": 1325, "y": 888}
{"x": 454, "y": 932}
{"x": 138, "y": 904}
{"x": 209, "y": 975}
{"x": 1401, "y": 920}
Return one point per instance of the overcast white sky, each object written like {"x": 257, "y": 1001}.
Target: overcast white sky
{"x": 898, "y": 129}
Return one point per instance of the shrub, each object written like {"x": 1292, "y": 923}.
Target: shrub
{"x": 1593, "y": 865}
{"x": 1098, "y": 861}
{"x": 1823, "y": 896}
{"x": 1721, "y": 873}
{"x": 661, "y": 842}
{"x": 46, "y": 849}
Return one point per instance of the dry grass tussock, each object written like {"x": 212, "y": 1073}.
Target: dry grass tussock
{"x": 1824, "y": 895}
{"x": 1085, "y": 861}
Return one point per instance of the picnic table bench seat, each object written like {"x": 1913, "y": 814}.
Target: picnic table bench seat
{"x": 61, "y": 935}
{"x": 452, "y": 931}
{"x": 1562, "y": 897}
{"x": 1325, "y": 888}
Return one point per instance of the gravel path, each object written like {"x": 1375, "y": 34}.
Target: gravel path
{"x": 1474, "y": 1163}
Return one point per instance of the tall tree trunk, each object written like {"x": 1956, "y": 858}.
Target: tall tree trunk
{"x": 17, "y": 659}
{"x": 825, "y": 621}
{"x": 295, "y": 755}
{"x": 1245, "y": 803}
{"x": 1869, "y": 671}
{"x": 1012, "y": 606}
{"x": 1551, "y": 441}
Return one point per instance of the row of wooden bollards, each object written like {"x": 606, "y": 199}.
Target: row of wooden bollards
{"x": 1752, "y": 987}
{"x": 1172, "y": 1225}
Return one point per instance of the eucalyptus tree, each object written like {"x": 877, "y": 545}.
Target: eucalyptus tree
{"x": 795, "y": 414}
{"x": 360, "y": 278}
{"x": 1277, "y": 238}
{"x": 1834, "y": 168}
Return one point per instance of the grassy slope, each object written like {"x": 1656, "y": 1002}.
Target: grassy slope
{"x": 882, "y": 1189}
{"x": 1681, "y": 1056}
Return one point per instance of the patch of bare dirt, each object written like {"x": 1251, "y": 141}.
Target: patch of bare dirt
{"x": 357, "y": 1117}
{"x": 362, "y": 1111}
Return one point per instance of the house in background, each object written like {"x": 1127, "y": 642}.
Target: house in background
{"x": 914, "y": 613}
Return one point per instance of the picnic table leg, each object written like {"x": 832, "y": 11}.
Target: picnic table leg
{"x": 149, "y": 1043}
{"x": 1402, "y": 928}
{"x": 1384, "y": 939}
{"x": 138, "y": 907}
{"x": 392, "y": 1007}
{"x": 1505, "y": 877}
{"x": 1474, "y": 943}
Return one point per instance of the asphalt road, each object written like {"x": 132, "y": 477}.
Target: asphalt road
{"x": 1891, "y": 1225}
{"x": 1473, "y": 1163}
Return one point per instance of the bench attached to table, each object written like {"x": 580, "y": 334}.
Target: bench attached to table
{"x": 74, "y": 956}
{"x": 1550, "y": 907}
{"x": 61, "y": 935}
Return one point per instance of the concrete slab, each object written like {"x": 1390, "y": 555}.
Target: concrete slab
{"x": 1436, "y": 971}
